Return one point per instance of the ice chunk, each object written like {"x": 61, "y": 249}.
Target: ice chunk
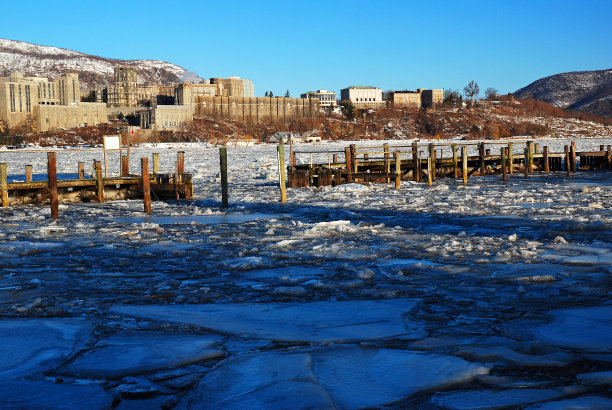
{"x": 28, "y": 346}
{"x": 596, "y": 378}
{"x": 119, "y": 356}
{"x": 323, "y": 321}
{"x": 493, "y": 399}
{"x": 27, "y": 394}
{"x": 347, "y": 377}
{"x": 586, "y": 329}
{"x": 580, "y": 403}
{"x": 506, "y": 354}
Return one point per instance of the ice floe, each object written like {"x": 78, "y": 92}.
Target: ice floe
{"x": 493, "y": 399}
{"x": 344, "y": 377}
{"x": 28, "y": 394}
{"x": 318, "y": 322}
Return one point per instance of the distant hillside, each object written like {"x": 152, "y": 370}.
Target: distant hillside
{"x": 587, "y": 91}
{"x": 45, "y": 61}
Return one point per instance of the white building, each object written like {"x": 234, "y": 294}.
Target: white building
{"x": 326, "y": 98}
{"x": 363, "y": 97}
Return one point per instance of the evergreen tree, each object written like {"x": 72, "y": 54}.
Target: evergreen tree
{"x": 287, "y": 95}
{"x": 267, "y": 95}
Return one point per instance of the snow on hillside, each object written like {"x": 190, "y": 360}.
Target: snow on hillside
{"x": 46, "y": 61}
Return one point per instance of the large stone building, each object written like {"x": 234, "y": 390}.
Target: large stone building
{"x": 123, "y": 92}
{"x": 258, "y": 110}
{"x": 186, "y": 93}
{"x": 234, "y": 87}
{"x": 363, "y": 97}
{"x": 420, "y": 98}
{"x": 50, "y": 104}
{"x": 326, "y": 98}
{"x": 166, "y": 117}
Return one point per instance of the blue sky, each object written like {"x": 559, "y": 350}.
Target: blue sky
{"x": 306, "y": 45}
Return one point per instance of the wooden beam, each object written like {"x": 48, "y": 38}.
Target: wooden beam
{"x": 52, "y": 173}
{"x": 146, "y": 187}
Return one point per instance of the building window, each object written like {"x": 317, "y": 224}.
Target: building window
{"x": 12, "y": 92}
{"x": 28, "y": 103}
{"x": 20, "y": 100}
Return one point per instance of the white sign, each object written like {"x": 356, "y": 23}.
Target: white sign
{"x": 112, "y": 142}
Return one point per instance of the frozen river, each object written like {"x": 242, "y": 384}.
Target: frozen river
{"x": 491, "y": 294}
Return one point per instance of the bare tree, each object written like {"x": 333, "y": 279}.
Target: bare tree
{"x": 490, "y": 94}
{"x": 471, "y": 90}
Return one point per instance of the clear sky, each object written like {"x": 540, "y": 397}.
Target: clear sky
{"x": 307, "y": 45}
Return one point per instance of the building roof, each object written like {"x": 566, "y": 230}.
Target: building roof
{"x": 367, "y": 87}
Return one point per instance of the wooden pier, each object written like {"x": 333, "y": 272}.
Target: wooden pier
{"x": 146, "y": 186}
{"x": 419, "y": 162}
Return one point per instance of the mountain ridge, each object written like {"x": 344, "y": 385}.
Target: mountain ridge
{"x": 585, "y": 91}
{"x": 49, "y": 61}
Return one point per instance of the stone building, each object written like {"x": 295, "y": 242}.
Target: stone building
{"x": 411, "y": 99}
{"x": 234, "y": 87}
{"x": 326, "y": 98}
{"x": 432, "y": 98}
{"x": 258, "y": 110}
{"x": 363, "y": 97}
{"x": 22, "y": 99}
{"x": 166, "y": 117}
{"x": 186, "y": 93}
{"x": 123, "y": 92}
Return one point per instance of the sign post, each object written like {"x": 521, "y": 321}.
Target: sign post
{"x": 112, "y": 143}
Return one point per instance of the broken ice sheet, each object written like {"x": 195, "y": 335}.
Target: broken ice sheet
{"x": 493, "y": 399}
{"x": 348, "y": 377}
{"x": 123, "y": 355}
{"x": 32, "y": 345}
{"x": 28, "y": 394}
{"x": 316, "y": 322}
{"x": 585, "y": 329}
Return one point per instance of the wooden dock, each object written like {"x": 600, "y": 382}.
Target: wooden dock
{"x": 146, "y": 186}
{"x": 429, "y": 162}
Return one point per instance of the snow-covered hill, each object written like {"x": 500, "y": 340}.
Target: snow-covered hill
{"x": 45, "y": 61}
{"x": 588, "y": 91}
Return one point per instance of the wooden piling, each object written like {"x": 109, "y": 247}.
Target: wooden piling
{"x": 80, "y": 167}
{"x": 4, "y": 184}
{"x": 155, "y": 163}
{"x": 180, "y": 156}
{"x": 464, "y": 163}
{"x": 432, "y": 155}
{"x": 353, "y": 148}
{"x": 398, "y": 169}
{"x": 177, "y": 179}
{"x": 429, "y": 171}
{"x": 573, "y": 156}
{"x": 529, "y": 162}
{"x": 455, "y": 162}
{"x": 510, "y": 158}
{"x": 503, "y": 163}
{"x": 415, "y": 162}
{"x": 146, "y": 184}
{"x": 52, "y": 173}
{"x": 387, "y": 160}
{"x": 545, "y": 159}
{"x": 609, "y": 157}
{"x": 568, "y": 167}
{"x": 99, "y": 182}
{"x": 526, "y": 160}
{"x": 536, "y": 148}
{"x": 224, "y": 190}
{"x": 349, "y": 166}
{"x": 281, "y": 169}
{"x": 481, "y": 149}
{"x": 334, "y": 157}
{"x": 125, "y": 166}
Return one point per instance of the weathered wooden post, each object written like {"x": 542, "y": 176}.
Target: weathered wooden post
{"x": 334, "y": 158}
{"x": 573, "y": 156}
{"x": 526, "y": 161}
{"x": 568, "y": 160}
{"x": 545, "y": 159}
{"x": 536, "y": 148}
{"x": 99, "y": 181}
{"x": 398, "y": 169}
{"x": 503, "y": 163}
{"x": 432, "y": 155}
{"x": 387, "y": 160}
{"x": 4, "y": 184}
{"x": 281, "y": 172}
{"x": 464, "y": 163}
{"x": 52, "y": 173}
{"x": 455, "y": 161}
{"x": 125, "y": 166}
{"x": 530, "y": 156}
{"x": 81, "y": 170}
{"x": 415, "y": 162}
{"x": 510, "y": 158}
{"x": 146, "y": 184}
{"x": 349, "y": 166}
{"x": 429, "y": 171}
{"x": 223, "y": 163}
{"x": 177, "y": 178}
{"x": 609, "y": 156}
{"x": 181, "y": 162}
{"x": 28, "y": 173}
{"x": 354, "y": 157}
{"x": 481, "y": 151}
{"x": 155, "y": 163}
